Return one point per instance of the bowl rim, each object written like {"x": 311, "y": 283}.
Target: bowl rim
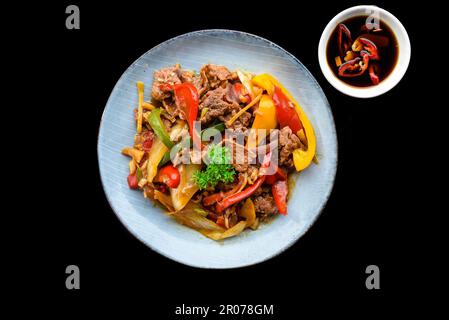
{"x": 294, "y": 239}
{"x": 398, "y": 71}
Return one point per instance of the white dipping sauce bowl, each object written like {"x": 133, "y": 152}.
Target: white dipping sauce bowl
{"x": 404, "y": 52}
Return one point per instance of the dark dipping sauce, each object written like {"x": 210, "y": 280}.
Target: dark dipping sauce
{"x": 380, "y": 63}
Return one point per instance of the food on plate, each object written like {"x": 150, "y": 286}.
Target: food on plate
{"x": 216, "y": 147}
{"x": 362, "y": 52}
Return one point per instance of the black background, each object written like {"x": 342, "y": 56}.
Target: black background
{"x": 371, "y": 217}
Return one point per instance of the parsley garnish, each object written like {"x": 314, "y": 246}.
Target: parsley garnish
{"x": 218, "y": 169}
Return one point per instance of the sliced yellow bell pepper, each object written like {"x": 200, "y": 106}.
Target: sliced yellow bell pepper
{"x": 264, "y": 81}
{"x": 265, "y": 119}
{"x": 301, "y": 158}
{"x": 265, "y": 114}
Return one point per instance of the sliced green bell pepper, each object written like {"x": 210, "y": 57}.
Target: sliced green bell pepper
{"x": 158, "y": 127}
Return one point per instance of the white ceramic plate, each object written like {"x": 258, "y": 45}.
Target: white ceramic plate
{"x": 161, "y": 233}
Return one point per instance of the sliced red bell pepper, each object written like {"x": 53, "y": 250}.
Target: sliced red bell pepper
{"x": 187, "y": 98}
{"x": 279, "y": 175}
{"x": 239, "y": 196}
{"x": 132, "y": 181}
{"x": 213, "y": 198}
{"x": 285, "y": 111}
{"x": 169, "y": 175}
{"x": 280, "y": 191}
{"x": 271, "y": 179}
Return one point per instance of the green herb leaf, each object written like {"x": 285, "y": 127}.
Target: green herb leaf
{"x": 218, "y": 169}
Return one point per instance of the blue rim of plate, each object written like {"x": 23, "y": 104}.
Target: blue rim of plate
{"x": 334, "y": 132}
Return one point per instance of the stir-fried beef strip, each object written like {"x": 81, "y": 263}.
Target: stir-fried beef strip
{"x": 195, "y": 79}
{"x": 165, "y": 76}
{"x": 231, "y": 217}
{"x": 217, "y": 75}
{"x": 172, "y": 108}
{"x": 288, "y": 141}
{"x": 231, "y": 94}
{"x": 264, "y": 205}
{"x": 241, "y": 124}
{"x": 217, "y": 105}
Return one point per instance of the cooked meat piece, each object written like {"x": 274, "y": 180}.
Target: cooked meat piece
{"x": 288, "y": 142}
{"x": 253, "y": 174}
{"x": 197, "y": 198}
{"x": 189, "y": 76}
{"x": 241, "y": 160}
{"x": 195, "y": 79}
{"x": 231, "y": 217}
{"x": 240, "y": 167}
{"x": 214, "y": 101}
{"x": 285, "y": 136}
{"x": 216, "y": 75}
{"x": 244, "y": 167}
{"x": 241, "y": 124}
{"x": 264, "y": 205}
{"x": 228, "y": 186}
{"x": 231, "y": 94}
{"x": 221, "y": 104}
{"x": 139, "y": 138}
{"x": 172, "y": 108}
{"x": 163, "y": 76}
{"x": 263, "y": 189}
